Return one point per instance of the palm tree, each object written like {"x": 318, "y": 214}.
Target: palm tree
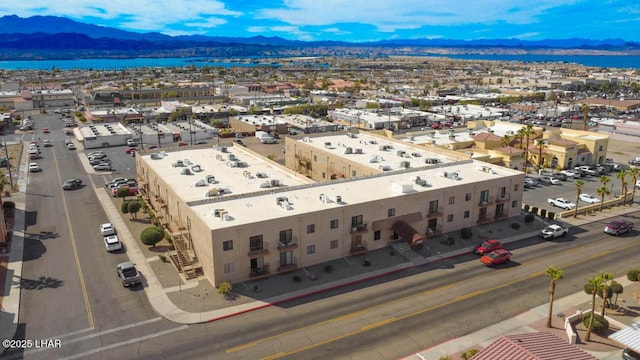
{"x": 622, "y": 176}
{"x": 506, "y": 140}
{"x": 602, "y": 191}
{"x": 591, "y": 287}
{"x": 585, "y": 115}
{"x": 633, "y": 172}
{"x": 579, "y": 184}
{"x": 540, "y": 144}
{"x": 528, "y": 131}
{"x": 555, "y": 275}
{"x": 604, "y": 180}
{"x": 520, "y": 136}
{"x": 605, "y": 278}
{"x": 3, "y": 183}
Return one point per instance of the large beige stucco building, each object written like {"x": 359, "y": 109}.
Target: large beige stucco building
{"x": 238, "y": 216}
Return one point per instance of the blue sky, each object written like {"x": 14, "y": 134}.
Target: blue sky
{"x": 353, "y": 20}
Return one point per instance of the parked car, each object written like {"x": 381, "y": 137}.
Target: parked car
{"x": 94, "y": 162}
{"x": 530, "y": 182}
{"x": 72, "y": 184}
{"x": 71, "y": 146}
{"x": 103, "y": 167}
{"x": 628, "y": 354}
{"x": 45, "y": 130}
{"x": 94, "y": 153}
{"x": 133, "y": 190}
{"x": 553, "y": 231}
{"x": 488, "y": 246}
{"x": 107, "y": 229}
{"x": 128, "y": 274}
{"x": 549, "y": 180}
{"x": 68, "y": 141}
{"x": 586, "y": 170}
{"x": 561, "y": 203}
{"x": 131, "y": 142}
{"x": 496, "y": 257}
{"x": 618, "y": 226}
{"x": 112, "y": 243}
{"x": 47, "y": 143}
{"x": 129, "y": 150}
{"x": 115, "y": 180}
{"x": 33, "y": 167}
{"x": 588, "y": 198}
{"x": 571, "y": 174}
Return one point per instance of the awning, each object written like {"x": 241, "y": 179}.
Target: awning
{"x": 408, "y": 233}
{"x": 386, "y": 224}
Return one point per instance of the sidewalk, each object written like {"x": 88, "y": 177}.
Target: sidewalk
{"x": 191, "y": 302}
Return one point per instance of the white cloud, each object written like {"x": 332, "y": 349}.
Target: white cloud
{"x": 141, "y": 15}
{"x": 389, "y": 16}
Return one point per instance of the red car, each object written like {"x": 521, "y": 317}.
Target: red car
{"x": 618, "y": 226}
{"x": 129, "y": 150}
{"x": 496, "y": 257}
{"x": 45, "y": 130}
{"x": 132, "y": 190}
{"x": 488, "y": 246}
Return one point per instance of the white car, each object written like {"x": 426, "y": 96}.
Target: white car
{"x": 71, "y": 146}
{"x": 588, "y": 198}
{"x": 47, "y": 143}
{"x": 33, "y": 167}
{"x": 571, "y": 174}
{"x": 112, "y": 243}
{"x": 107, "y": 229}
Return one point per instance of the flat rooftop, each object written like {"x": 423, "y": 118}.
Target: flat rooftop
{"x": 299, "y": 200}
{"x": 99, "y": 130}
{"x": 375, "y": 152}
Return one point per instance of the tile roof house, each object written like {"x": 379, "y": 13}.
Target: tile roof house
{"x": 532, "y": 346}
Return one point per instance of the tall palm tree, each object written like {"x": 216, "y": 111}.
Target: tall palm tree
{"x": 579, "y": 184}
{"x": 633, "y": 172}
{"x": 605, "y": 278}
{"x": 585, "y": 115}
{"x": 506, "y": 140}
{"x": 554, "y": 275}
{"x": 540, "y": 144}
{"x": 602, "y": 191}
{"x": 622, "y": 176}
{"x": 520, "y": 136}
{"x": 604, "y": 180}
{"x": 528, "y": 131}
{"x": 591, "y": 287}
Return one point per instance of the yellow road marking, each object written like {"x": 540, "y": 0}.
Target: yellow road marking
{"x": 76, "y": 258}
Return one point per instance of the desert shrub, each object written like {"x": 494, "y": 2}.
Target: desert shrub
{"x": 526, "y": 208}
{"x": 551, "y": 215}
{"x": 543, "y": 213}
{"x": 515, "y": 226}
{"x": 529, "y": 218}
{"x": 600, "y": 324}
{"x": 224, "y": 288}
{"x": 124, "y": 207}
{"x": 534, "y": 210}
{"x": 468, "y": 354}
{"x": 297, "y": 278}
{"x": 328, "y": 268}
{"x": 151, "y": 235}
{"x": 632, "y": 275}
{"x": 466, "y": 233}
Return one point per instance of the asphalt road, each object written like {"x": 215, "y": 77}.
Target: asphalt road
{"x": 397, "y": 316}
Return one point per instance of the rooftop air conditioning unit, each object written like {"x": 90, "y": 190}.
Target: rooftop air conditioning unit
{"x": 382, "y": 147}
{"x": 358, "y": 151}
{"x": 261, "y": 175}
{"x": 223, "y": 149}
{"x": 405, "y": 164}
{"x": 200, "y": 183}
{"x": 210, "y": 179}
{"x": 231, "y": 157}
{"x": 348, "y": 150}
{"x": 374, "y": 159}
{"x": 384, "y": 167}
{"x": 275, "y": 182}
{"x": 338, "y": 199}
{"x": 265, "y": 185}
{"x": 281, "y": 199}
{"x": 422, "y": 182}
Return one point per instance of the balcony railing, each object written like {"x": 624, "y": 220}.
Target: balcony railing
{"x": 501, "y": 216}
{"x": 261, "y": 271}
{"x": 484, "y": 203}
{"x": 502, "y": 198}
{"x": 358, "y": 228}
{"x": 288, "y": 245}
{"x": 258, "y": 249}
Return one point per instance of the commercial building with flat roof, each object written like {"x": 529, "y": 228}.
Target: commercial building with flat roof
{"x": 238, "y": 216}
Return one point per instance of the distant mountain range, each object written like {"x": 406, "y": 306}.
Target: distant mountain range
{"x": 50, "y": 37}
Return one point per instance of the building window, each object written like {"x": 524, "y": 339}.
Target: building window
{"x": 466, "y": 214}
{"x": 324, "y": 175}
{"x": 315, "y": 157}
{"x": 484, "y": 196}
{"x": 311, "y": 249}
{"x": 333, "y": 244}
{"x": 514, "y": 204}
{"x": 228, "y": 268}
{"x": 256, "y": 243}
{"x": 452, "y": 200}
{"x": 600, "y": 148}
{"x": 311, "y": 228}
{"x": 286, "y": 236}
{"x": 450, "y": 218}
{"x": 391, "y": 212}
{"x": 516, "y": 187}
{"x": 433, "y": 206}
{"x": 357, "y": 220}
{"x": 334, "y": 224}
{"x": 376, "y": 235}
{"x": 353, "y": 173}
{"x": 467, "y": 197}
{"x": 227, "y": 245}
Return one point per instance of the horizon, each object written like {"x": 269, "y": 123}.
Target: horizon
{"x": 358, "y": 21}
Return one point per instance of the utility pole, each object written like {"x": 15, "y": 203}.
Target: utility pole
{"x": 6, "y": 152}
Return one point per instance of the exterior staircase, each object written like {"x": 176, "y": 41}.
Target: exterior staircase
{"x": 182, "y": 258}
